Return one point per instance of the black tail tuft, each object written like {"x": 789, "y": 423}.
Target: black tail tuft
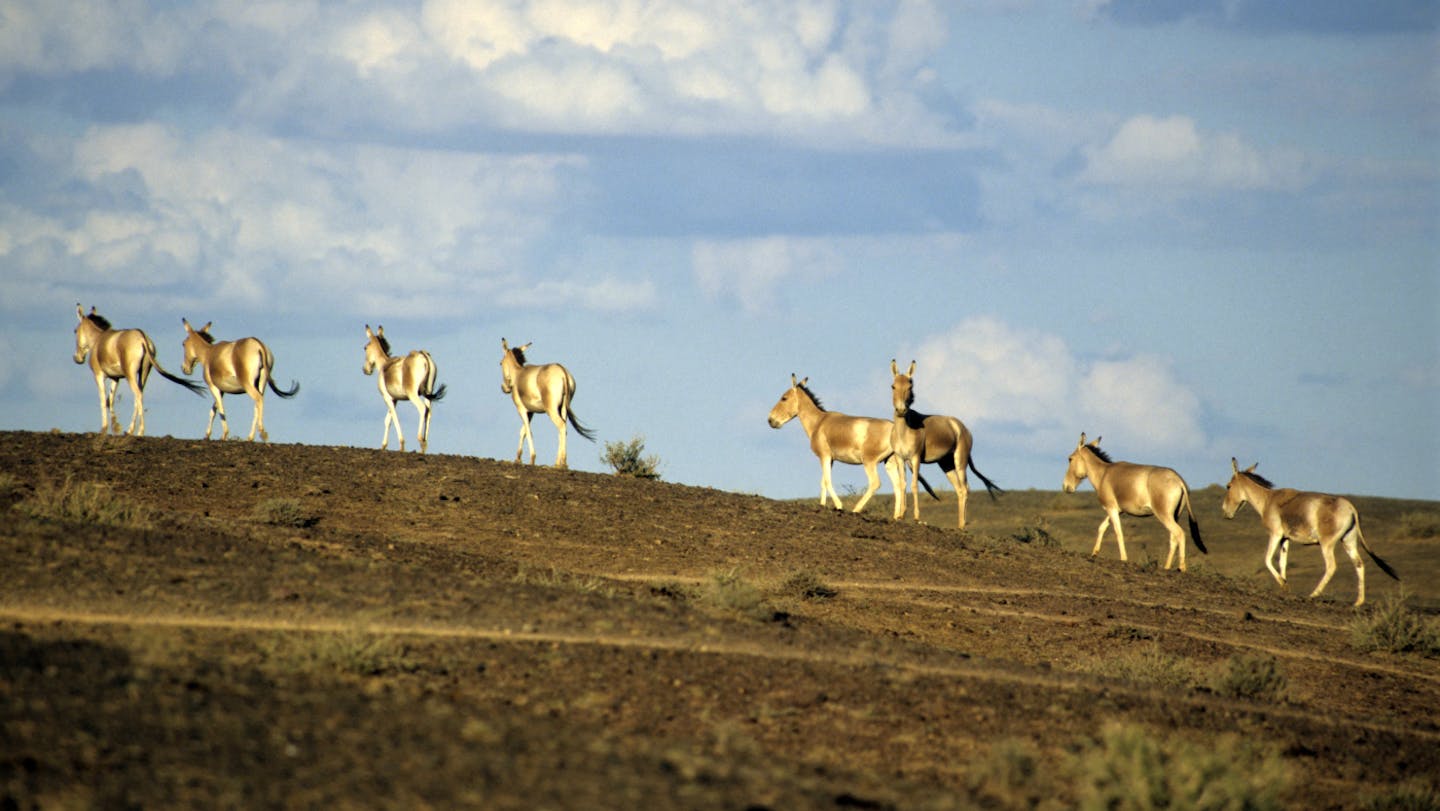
{"x": 294, "y": 389}
{"x": 990, "y": 487}
{"x": 580, "y": 429}
{"x": 1195, "y": 534}
{"x": 438, "y": 394}
{"x": 195, "y": 387}
{"x": 927, "y": 486}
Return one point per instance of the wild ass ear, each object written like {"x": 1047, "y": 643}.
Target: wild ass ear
{"x": 79, "y": 311}
{"x": 380, "y": 330}
{"x": 911, "y": 373}
{"x": 368, "y": 333}
{"x": 894, "y": 370}
{"x": 806, "y": 380}
{"x": 1081, "y": 444}
{"x": 793, "y": 381}
{"x": 206, "y": 328}
{"x": 1251, "y": 469}
{"x": 1234, "y": 466}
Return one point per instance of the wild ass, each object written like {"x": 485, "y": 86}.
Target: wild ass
{"x": 233, "y": 367}
{"x": 840, "y": 437}
{"x": 408, "y": 377}
{"x": 1132, "y": 489}
{"x": 115, "y": 354}
{"x": 935, "y": 438}
{"x": 546, "y": 389}
{"x": 1306, "y": 518}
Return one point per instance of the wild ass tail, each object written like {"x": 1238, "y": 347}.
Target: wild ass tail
{"x": 1190, "y": 515}
{"x": 432, "y": 371}
{"x": 990, "y": 487}
{"x": 193, "y": 386}
{"x": 1384, "y": 567}
{"x": 580, "y": 429}
{"x": 294, "y": 387}
{"x": 927, "y": 487}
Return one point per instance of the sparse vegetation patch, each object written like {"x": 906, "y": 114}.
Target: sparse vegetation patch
{"x": 284, "y": 512}
{"x": 1390, "y": 626}
{"x": 86, "y": 503}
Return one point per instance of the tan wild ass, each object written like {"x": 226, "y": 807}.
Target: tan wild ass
{"x": 1132, "y": 489}
{"x": 840, "y": 437}
{"x": 115, "y": 354}
{"x": 408, "y": 377}
{"x": 546, "y": 389}
{"x": 1306, "y": 518}
{"x": 233, "y": 367}
{"x": 937, "y": 438}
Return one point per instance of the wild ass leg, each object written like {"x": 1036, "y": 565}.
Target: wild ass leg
{"x": 559, "y": 419}
{"x": 961, "y": 485}
{"x": 1119, "y": 533}
{"x": 1277, "y": 541}
{"x": 104, "y": 405}
{"x": 137, "y": 414}
{"x": 525, "y": 417}
{"x": 1100, "y": 536}
{"x": 391, "y": 418}
{"x": 827, "y": 487}
{"x": 872, "y": 479}
{"x": 915, "y": 483}
{"x": 1353, "y": 550}
{"x": 1177, "y": 540}
{"x": 1327, "y": 553}
{"x": 257, "y": 422}
{"x": 217, "y": 407}
{"x": 897, "y": 484}
{"x": 422, "y": 427}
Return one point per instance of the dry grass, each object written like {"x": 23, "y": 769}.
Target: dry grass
{"x": 85, "y": 503}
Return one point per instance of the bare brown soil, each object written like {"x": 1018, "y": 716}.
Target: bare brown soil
{"x": 440, "y": 631}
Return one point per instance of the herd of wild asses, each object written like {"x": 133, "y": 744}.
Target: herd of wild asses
{"x": 900, "y": 444}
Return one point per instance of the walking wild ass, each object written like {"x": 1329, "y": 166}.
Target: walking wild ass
{"x": 1132, "y": 489}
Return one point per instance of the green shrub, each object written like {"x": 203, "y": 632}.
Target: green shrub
{"x": 1129, "y": 767}
{"x": 1013, "y": 774}
{"x": 284, "y": 512}
{"x": 1390, "y": 626}
{"x": 1251, "y": 677}
{"x": 86, "y": 503}
{"x": 629, "y": 459}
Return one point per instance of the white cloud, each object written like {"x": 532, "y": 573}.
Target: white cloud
{"x": 1030, "y": 386}
{"x": 236, "y": 215}
{"x": 607, "y": 294}
{"x": 750, "y": 271}
{"x": 1174, "y": 154}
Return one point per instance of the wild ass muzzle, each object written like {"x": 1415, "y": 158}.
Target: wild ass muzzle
{"x": 1140, "y": 490}
{"x": 404, "y": 377}
{"x": 933, "y": 438}
{"x": 545, "y": 389}
{"x": 117, "y": 354}
{"x": 1306, "y": 518}
{"x": 233, "y": 367}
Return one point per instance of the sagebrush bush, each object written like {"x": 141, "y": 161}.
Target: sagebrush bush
{"x": 1148, "y": 666}
{"x": 284, "y": 512}
{"x": 1131, "y": 767}
{"x": 1390, "y": 626}
{"x": 728, "y": 592}
{"x": 1252, "y": 677}
{"x": 629, "y": 459}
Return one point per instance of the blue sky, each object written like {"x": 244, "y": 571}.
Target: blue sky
{"x": 1199, "y": 229}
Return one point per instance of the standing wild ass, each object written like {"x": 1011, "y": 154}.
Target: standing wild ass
{"x": 1132, "y": 489}
{"x": 115, "y": 354}
{"x": 840, "y": 437}
{"x": 546, "y": 389}
{"x": 407, "y": 377}
{"x": 934, "y": 438}
{"x": 1306, "y": 518}
{"x": 233, "y": 367}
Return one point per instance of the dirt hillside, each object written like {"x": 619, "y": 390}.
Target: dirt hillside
{"x": 225, "y": 624}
